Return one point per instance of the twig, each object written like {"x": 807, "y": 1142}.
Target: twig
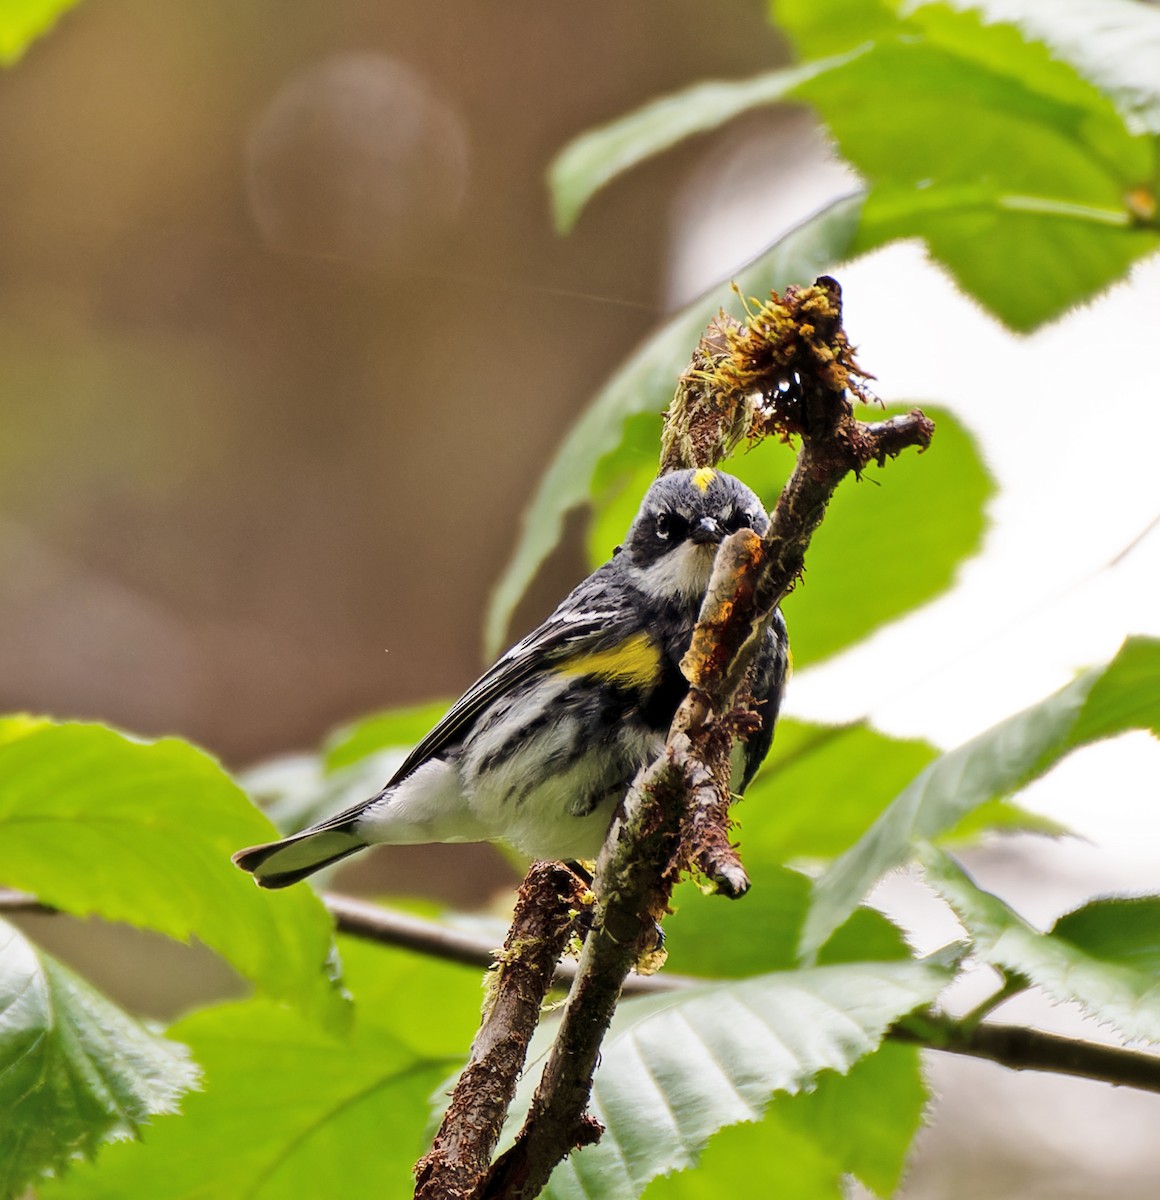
{"x": 462, "y": 1149}
{"x": 1022, "y": 1049}
{"x": 630, "y": 882}
{"x": 794, "y": 353}
{"x": 1016, "y": 1047}
{"x": 374, "y": 923}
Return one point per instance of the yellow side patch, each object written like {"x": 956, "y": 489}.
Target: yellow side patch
{"x": 703, "y": 476}
{"x": 635, "y": 661}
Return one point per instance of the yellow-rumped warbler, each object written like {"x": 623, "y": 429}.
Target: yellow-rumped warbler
{"x": 540, "y": 750}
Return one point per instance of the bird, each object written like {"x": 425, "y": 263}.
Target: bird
{"x": 540, "y": 750}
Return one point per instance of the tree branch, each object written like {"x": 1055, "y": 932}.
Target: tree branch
{"x": 793, "y": 353}
{"x": 1016, "y": 1047}
{"x": 1020, "y": 1048}
{"x": 462, "y": 1149}
{"x": 632, "y": 885}
{"x": 374, "y": 923}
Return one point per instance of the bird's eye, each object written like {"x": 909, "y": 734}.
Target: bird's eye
{"x": 738, "y": 519}
{"x": 664, "y": 527}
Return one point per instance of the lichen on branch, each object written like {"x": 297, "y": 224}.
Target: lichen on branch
{"x": 747, "y": 378}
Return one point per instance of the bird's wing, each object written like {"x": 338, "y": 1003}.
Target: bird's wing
{"x": 590, "y": 633}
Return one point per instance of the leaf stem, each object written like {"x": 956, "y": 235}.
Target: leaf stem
{"x": 1020, "y": 1048}
{"x": 1012, "y": 985}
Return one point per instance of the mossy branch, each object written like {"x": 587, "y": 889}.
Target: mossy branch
{"x": 788, "y": 370}
{"x": 462, "y": 1149}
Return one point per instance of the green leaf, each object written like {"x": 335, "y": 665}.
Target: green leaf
{"x": 787, "y": 1161}
{"x": 890, "y": 541}
{"x": 674, "y": 1069}
{"x": 1000, "y": 816}
{"x": 1116, "y": 929}
{"x": 861, "y": 1124}
{"x": 94, "y": 822}
{"x": 866, "y": 1120}
{"x": 1118, "y": 984}
{"x": 19, "y": 725}
{"x": 589, "y": 162}
{"x": 1125, "y": 696}
{"x": 23, "y": 21}
{"x": 1099, "y": 703}
{"x": 822, "y": 787}
{"x": 1115, "y": 44}
{"x": 822, "y": 27}
{"x": 1012, "y": 167}
{"x": 75, "y": 1071}
{"x": 709, "y": 937}
{"x": 393, "y": 729}
{"x": 645, "y": 385}
{"x": 289, "y": 1111}
{"x": 819, "y": 791}
{"x": 299, "y": 789}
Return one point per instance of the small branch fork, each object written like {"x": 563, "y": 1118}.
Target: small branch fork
{"x": 462, "y": 1149}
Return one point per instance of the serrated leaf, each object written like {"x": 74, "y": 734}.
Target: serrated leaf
{"x": 822, "y": 27}
{"x": 289, "y": 1111}
{"x": 94, "y": 822}
{"x": 75, "y": 1071}
{"x": 1109, "y": 44}
{"x": 891, "y": 541}
{"x": 711, "y": 938}
{"x": 1114, "y": 44}
{"x": 23, "y": 21}
{"x": 1112, "y": 987}
{"x": 805, "y": 1146}
{"x": 644, "y": 384}
{"x": 596, "y": 157}
{"x": 820, "y": 790}
{"x": 1000, "y": 816}
{"x": 786, "y": 1161}
{"x": 674, "y": 1069}
{"x": 1013, "y": 168}
{"x": 1125, "y": 696}
{"x": 822, "y": 787}
{"x": 867, "y": 1119}
{"x": 1098, "y": 703}
{"x": 1117, "y": 929}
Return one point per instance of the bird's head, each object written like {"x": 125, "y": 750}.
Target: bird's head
{"x": 683, "y": 518}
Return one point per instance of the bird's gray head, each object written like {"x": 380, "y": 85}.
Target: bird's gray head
{"x": 683, "y": 518}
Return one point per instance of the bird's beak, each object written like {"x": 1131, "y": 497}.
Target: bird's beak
{"x": 706, "y": 532}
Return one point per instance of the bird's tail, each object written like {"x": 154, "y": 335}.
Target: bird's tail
{"x": 279, "y": 864}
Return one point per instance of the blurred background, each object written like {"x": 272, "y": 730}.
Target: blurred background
{"x": 286, "y": 340}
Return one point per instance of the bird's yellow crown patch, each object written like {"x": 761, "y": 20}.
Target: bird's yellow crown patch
{"x": 703, "y": 476}
{"x": 637, "y": 660}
